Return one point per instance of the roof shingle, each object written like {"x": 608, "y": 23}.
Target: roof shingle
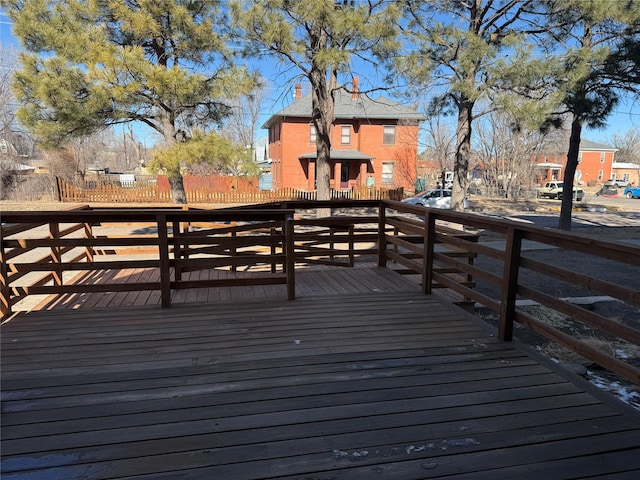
{"x": 346, "y": 106}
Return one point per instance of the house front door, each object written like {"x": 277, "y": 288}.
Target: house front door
{"x": 344, "y": 175}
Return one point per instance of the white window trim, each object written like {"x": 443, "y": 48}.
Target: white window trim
{"x": 394, "y": 134}
{"x": 343, "y": 129}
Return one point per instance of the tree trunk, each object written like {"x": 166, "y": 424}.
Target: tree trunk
{"x": 176, "y": 181}
{"x": 564, "y": 222}
{"x": 322, "y": 110}
{"x": 177, "y": 189}
{"x": 463, "y": 149}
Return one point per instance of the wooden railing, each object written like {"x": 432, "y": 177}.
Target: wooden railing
{"x": 505, "y": 264}
{"x": 40, "y": 250}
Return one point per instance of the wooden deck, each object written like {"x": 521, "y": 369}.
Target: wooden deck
{"x": 310, "y": 282}
{"x": 387, "y": 384}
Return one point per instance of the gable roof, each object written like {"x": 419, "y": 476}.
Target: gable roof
{"x": 361, "y": 107}
{"x": 589, "y": 145}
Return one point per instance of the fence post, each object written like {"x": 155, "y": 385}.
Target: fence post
{"x": 56, "y": 256}
{"x": 5, "y": 291}
{"x": 429, "y": 248}
{"x": 290, "y": 258}
{"x": 510, "y": 284}
{"x": 165, "y": 264}
{"x": 382, "y": 240}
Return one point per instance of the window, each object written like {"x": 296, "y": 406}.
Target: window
{"x": 312, "y": 134}
{"x": 389, "y": 135}
{"x": 345, "y": 134}
{"x": 626, "y": 177}
{"x": 387, "y": 172}
{"x": 600, "y": 175}
{"x": 579, "y": 157}
{"x": 601, "y": 157}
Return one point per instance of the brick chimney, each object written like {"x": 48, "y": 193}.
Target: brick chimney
{"x": 354, "y": 92}
{"x": 298, "y": 93}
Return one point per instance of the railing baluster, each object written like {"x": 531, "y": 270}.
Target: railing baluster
{"x": 382, "y": 239}
{"x": 165, "y": 264}
{"x": 5, "y": 290}
{"x": 429, "y": 247}
{"x": 290, "y": 257}
{"x": 56, "y": 256}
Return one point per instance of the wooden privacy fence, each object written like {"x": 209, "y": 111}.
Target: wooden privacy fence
{"x": 151, "y": 192}
{"x": 439, "y": 247}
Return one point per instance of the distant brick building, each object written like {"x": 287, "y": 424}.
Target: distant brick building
{"x": 374, "y": 142}
{"x": 595, "y": 164}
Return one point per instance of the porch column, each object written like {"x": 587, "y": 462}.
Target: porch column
{"x": 362, "y": 179}
{"x": 337, "y": 167}
{"x": 311, "y": 169}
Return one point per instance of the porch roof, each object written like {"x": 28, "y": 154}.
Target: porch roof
{"x": 341, "y": 154}
{"x": 548, "y": 165}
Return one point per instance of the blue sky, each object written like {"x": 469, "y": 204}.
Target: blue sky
{"x": 279, "y": 92}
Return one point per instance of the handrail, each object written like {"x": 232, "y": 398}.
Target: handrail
{"x": 169, "y": 247}
{"x": 438, "y": 245}
{"x": 506, "y": 280}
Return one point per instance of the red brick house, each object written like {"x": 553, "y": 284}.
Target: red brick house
{"x": 595, "y": 164}
{"x": 374, "y": 143}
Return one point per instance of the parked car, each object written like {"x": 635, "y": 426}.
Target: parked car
{"x": 632, "y": 192}
{"x": 436, "y": 198}
{"x": 555, "y": 188}
{"x": 618, "y": 183}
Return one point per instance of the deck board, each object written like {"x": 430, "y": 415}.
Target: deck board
{"x": 386, "y": 384}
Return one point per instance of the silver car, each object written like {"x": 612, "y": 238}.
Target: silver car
{"x": 436, "y": 198}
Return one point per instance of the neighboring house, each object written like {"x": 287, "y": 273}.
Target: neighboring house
{"x": 626, "y": 173}
{"x": 595, "y": 164}
{"x": 374, "y": 143}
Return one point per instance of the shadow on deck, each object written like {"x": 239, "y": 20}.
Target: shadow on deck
{"x": 386, "y": 384}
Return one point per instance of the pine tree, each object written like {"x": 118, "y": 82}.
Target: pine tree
{"x": 473, "y": 56}
{"x": 318, "y": 39}
{"x": 598, "y": 48}
{"x": 89, "y": 64}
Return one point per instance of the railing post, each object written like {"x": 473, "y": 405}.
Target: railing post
{"x": 177, "y": 249}
{"x": 510, "y": 283}
{"x": 165, "y": 264}
{"x": 234, "y": 250}
{"x": 352, "y": 247}
{"x": 273, "y": 249}
{"x": 5, "y": 291}
{"x": 88, "y": 234}
{"x": 429, "y": 247}
{"x": 382, "y": 239}
{"x": 290, "y": 258}
{"x": 56, "y": 256}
